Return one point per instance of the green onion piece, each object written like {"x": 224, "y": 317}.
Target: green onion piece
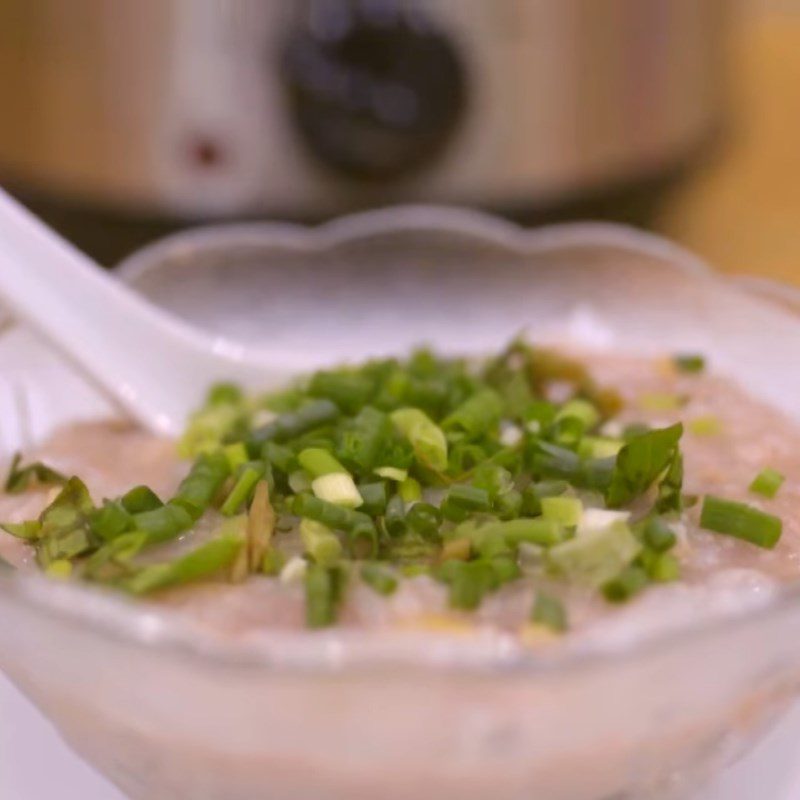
{"x": 20, "y": 479}
{"x": 661, "y": 402}
{"x": 596, "y": 556}
{"x": 462, "y": 500}
{"x": 424, "y": 435}
{"x": 204, "y": 562}
{"x": 204, "y": 481}
{"x": 395, "y": 518}
{"x": 554, "y": 462}
{"x": 224, "y": 414}
{"x": 374, "y": 498}
{"x": 508, "y": 505}
{"x": 767, "y": 482}
{"x": 349, "y": 390}
{"x": 273, "y": 562}
{"x": 469, "y": 582}
{"x": 163, "y": 524}
{"x": 566, "y": 511}
{"x": 741, "y": 521}
{"x": 456, "y": 549}
{"x": 540, "y": 531}
{"x": 110, "y": 521}
{"x": 30, "y": 530}
{"x": 362, "y": 540}
{"x": 330, "y": 514}
{"x": 299, "y": 481}
{"x": 64, "y": 525}
{"x": 550, "y": 612}
{"x": 658, "y": 535}
{"x": 139, "y": 499}
{"x": 582, "y": 410}
{"x": 338, "y": 488}
{"x": 280, "y": 457}
{"x": 476, "y": 415}
{"x": 379, "y": 578}
{"x": 689, "y": 362}
{"x": 293, "y": 424}
{"x": 318, "y": 462}
{"x": 424, "y": 519}
{"x": 392, "y": 473}
{"x": 320, "y": 542}
{"x": 599, "y": 447}
{"x": 708, "y": 425}
{"x": 410, "y": 490}
{"x": 249, "y": 475}
{"x": 640, "y": 462}
{"x": 625, "y": 585}
{"x": 661, "y": 567}
{"x": 324, "y": 588}
{"x": 224, "y": 393}
{"x": 236, "y": 454}
{"x": 670, "y": 490}
{"x": 364, "y": 439}
{"x": 60, "y": 569}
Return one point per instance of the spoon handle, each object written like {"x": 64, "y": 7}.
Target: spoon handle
{"x": 154, "y": 366}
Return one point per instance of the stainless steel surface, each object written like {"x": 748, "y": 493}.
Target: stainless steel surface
{"x": 181, "y": 108}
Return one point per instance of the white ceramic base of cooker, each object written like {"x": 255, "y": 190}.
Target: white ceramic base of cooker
{"x": 35, "y": 764}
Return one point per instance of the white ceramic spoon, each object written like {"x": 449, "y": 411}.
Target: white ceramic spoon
{"x": 154, "y": 366}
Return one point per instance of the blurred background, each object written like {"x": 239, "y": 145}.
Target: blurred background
{"x": 120, "y": 121}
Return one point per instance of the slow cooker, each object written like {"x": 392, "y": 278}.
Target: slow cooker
{"x": 153, "y": 113}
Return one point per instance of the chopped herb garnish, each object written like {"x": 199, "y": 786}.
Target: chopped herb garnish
{"x": 470, "y": 475}
{"x": 20, "y": 478}
{"x": 741, "y": 521}
{"x": 767, "y": 482}
{"x": 689, "y": 362}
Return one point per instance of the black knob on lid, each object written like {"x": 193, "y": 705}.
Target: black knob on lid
{"x": 375, "y": 89}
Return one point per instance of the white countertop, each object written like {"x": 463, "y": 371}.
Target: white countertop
{"x": 35, "y": 764}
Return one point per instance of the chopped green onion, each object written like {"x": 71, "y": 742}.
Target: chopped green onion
{"x": 236, "y": 454}
{"x": 338, "y": 488}
{"x": 111, "y": 520}
{"x": 596, "y": 556}
{"x": 374, "y": 498}
{"x": 424, "y": 519}
{"x": 204, "y": 481}
{"x": 60, "y": 569}
{"x": 741, "y": 521}
{"x": 349, "y": 390}
{"x": 139, "y": 499}
{"x": 689, "y": 362}
{"x": 549, "y": 611}
{"x": 640, "y": 462}
{"x": 293, "y": 424}
{"x": 392, "y": 473}
{"x": 299, "y": 481}
{"x": 395, "y": 518}
{"x": 625, "y": 585}
{"x": 324, "y": 588}
{"x": 163, "y": 524}
{"x": 334, "y": 516}
{"x": 466, "y": 499}
{"x": 457, "y": 549}
{"x": 658, "y": 535}
{"x": 320, "y": 542}
{"x": 273, "y": 562}
{"x": 410, "y": 490}
{"x": 203, "y": 562}
{"x": 249, "y": 476}
{"x": 380, "y": 579}
{"x": 20, "y": 479}
{"x": 661, "y": 402}
{"x": 704, "y": 426}
{"x": 476, "y": 415}
{"x": 566, "y": 511}
{"x": 767, "y": 482}
{"x": 425, "y": 436}
{"x": 581, "y": 410}
{"x": 661, "y": 567}
{"x": 318, "y": 462}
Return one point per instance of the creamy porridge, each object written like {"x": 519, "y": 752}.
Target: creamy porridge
{"x": 539, "y": 495}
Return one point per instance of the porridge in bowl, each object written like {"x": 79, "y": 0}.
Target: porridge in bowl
{"x": 539, "y": 496}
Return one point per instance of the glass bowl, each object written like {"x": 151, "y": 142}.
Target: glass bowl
{"x": 165, "y": 713}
